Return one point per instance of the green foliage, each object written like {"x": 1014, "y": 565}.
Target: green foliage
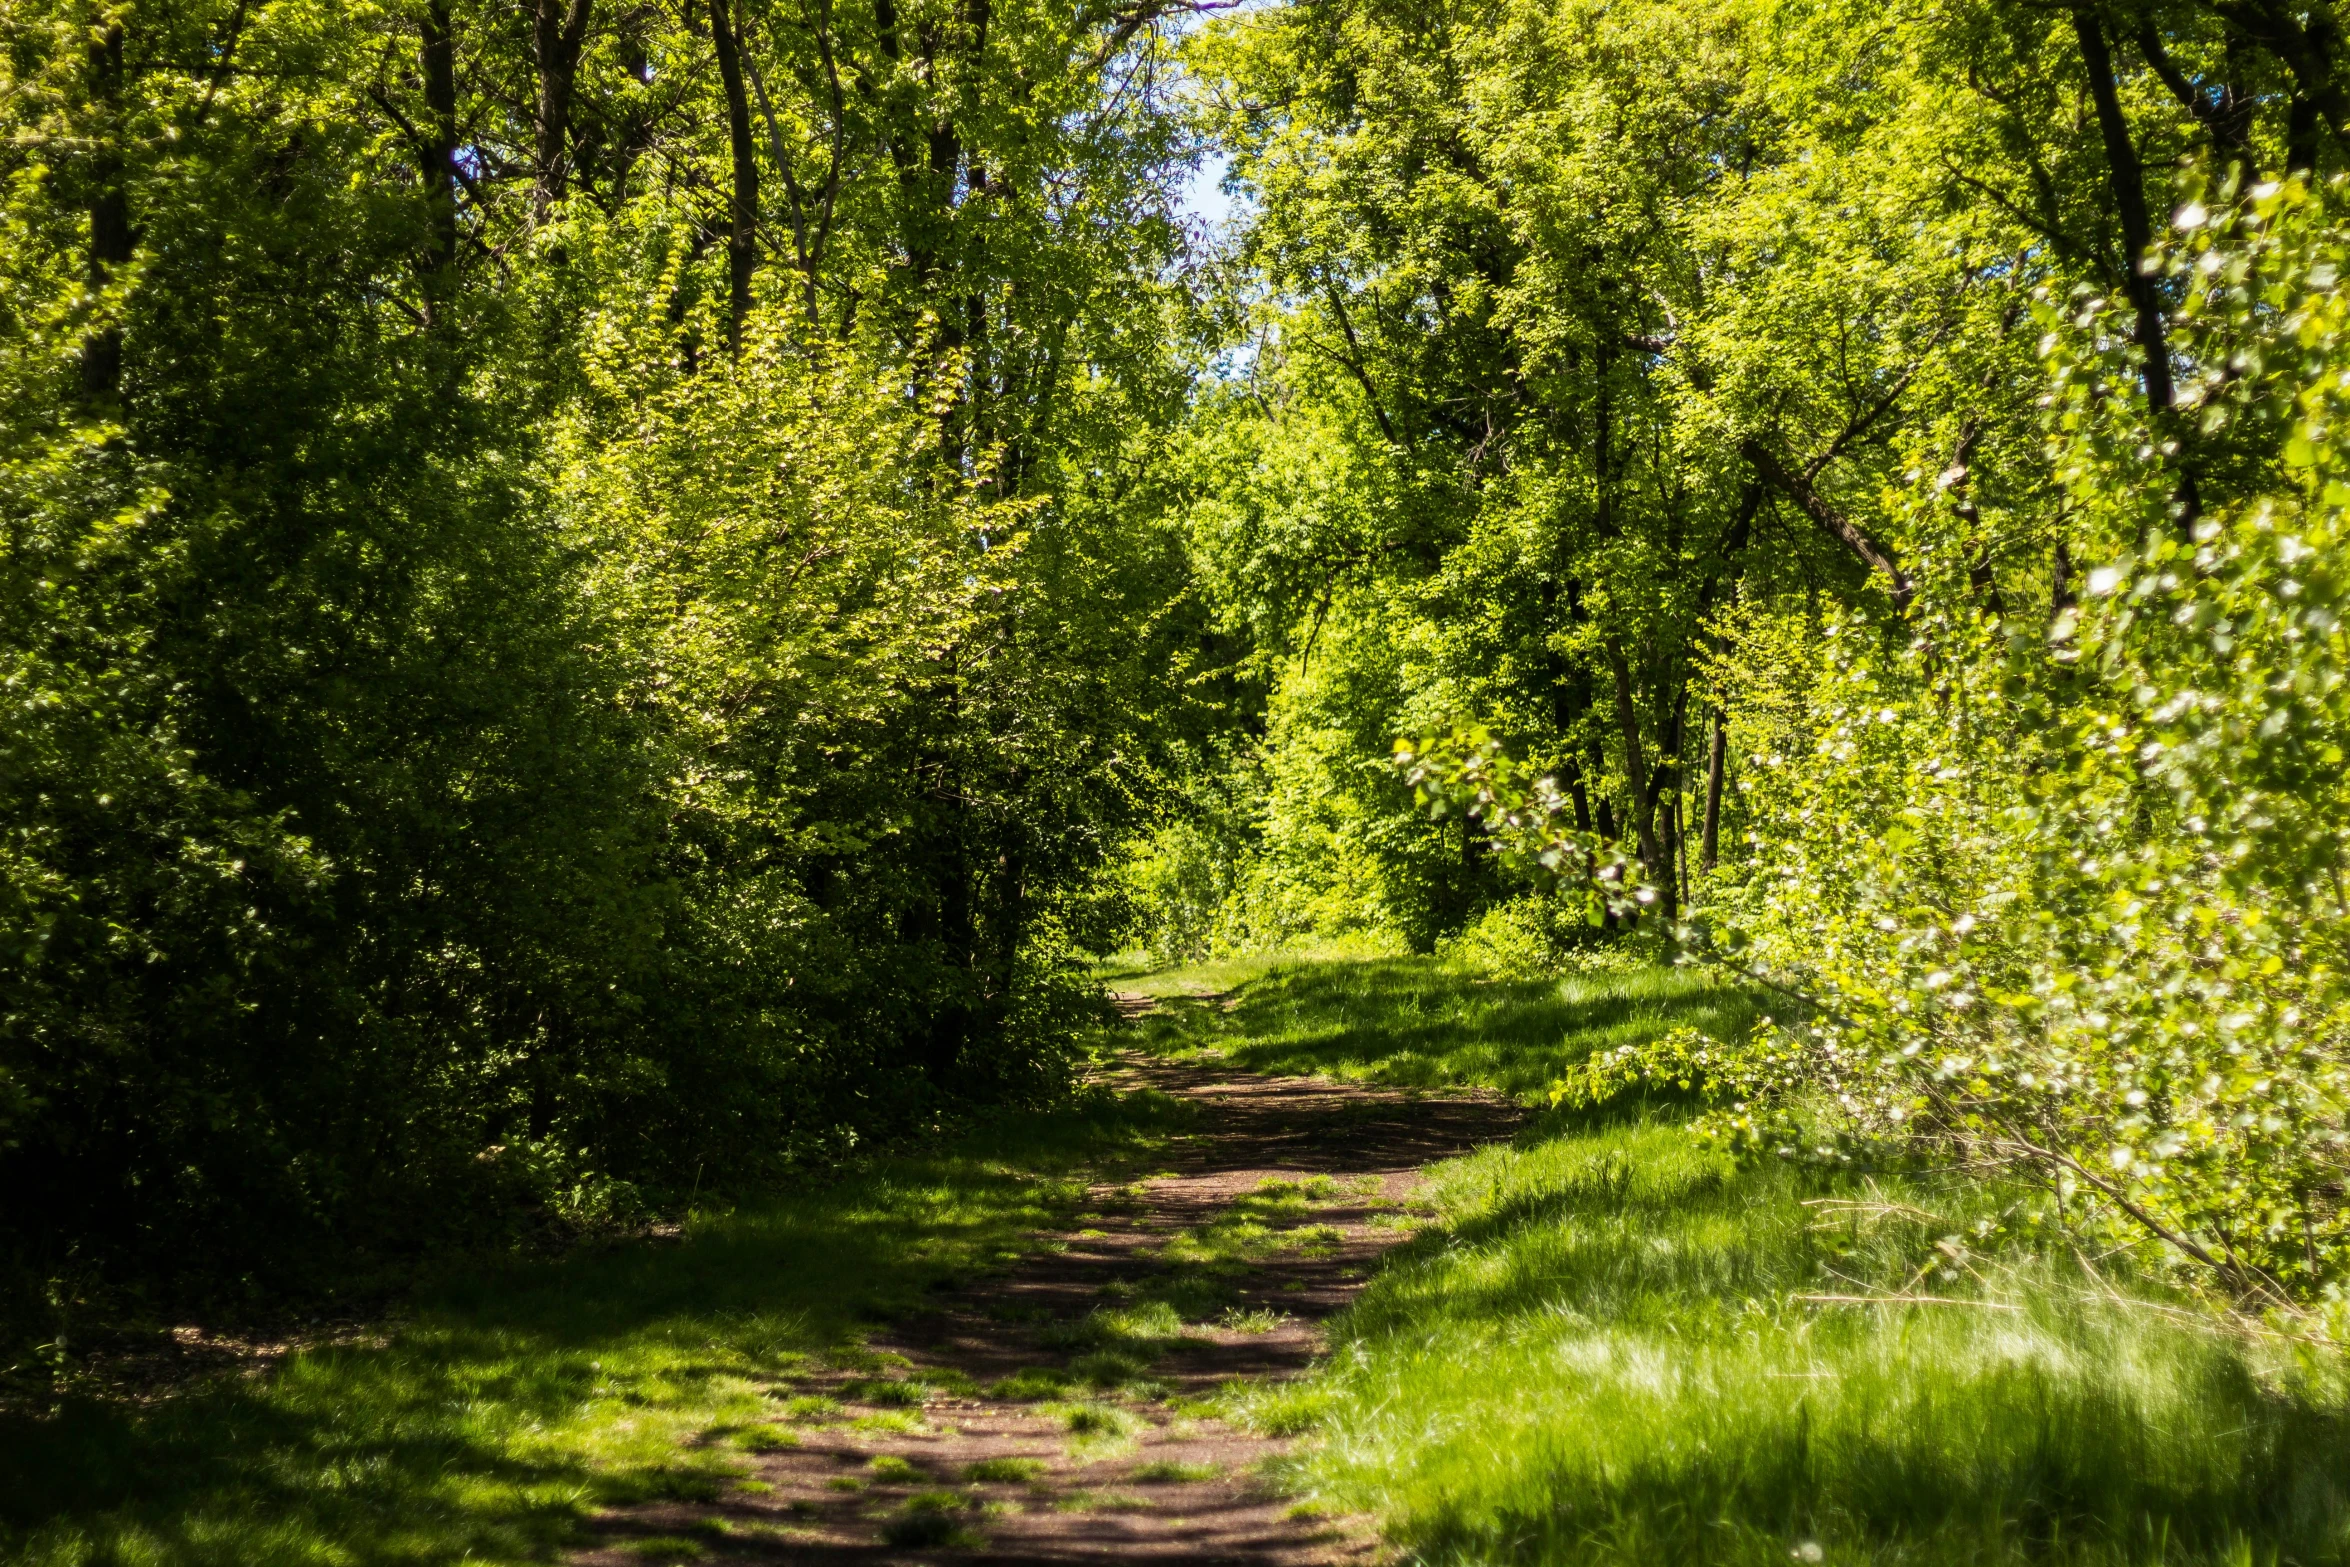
{"x": 597, "y": 605}
{"x": 521, "y": 700}
{"x": 2066, "y": 901}
{"x": 1658, "y": 382}
{"x": 1682, "y": 1062}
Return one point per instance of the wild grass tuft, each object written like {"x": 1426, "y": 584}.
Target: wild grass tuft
{"x": 811, "y": 1407}
{"x": 765, "y": 1439}
{"x": 1168, "y": 1471}
{"x": 1004, "y": 1471}
{"x": 1258, "y": 1320}
{"x": 888, "y": 1392}
{"x": 1096, "y": 1420}
{"x": 1027, "y": 1386}
{"x": 1096, "y": 1430}
{"x": 930, "y": 1522}
{"x": 1102, "y": 1502}
{"x": 1109, "y": 1368}
{"x": 892, "y": 1422}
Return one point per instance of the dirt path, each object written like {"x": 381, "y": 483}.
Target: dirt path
{"x": 1052, "y": 1413}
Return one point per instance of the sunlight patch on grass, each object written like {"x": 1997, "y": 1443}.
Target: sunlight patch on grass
{"x": 1598, "y": 1351}
{"x": 892, "y": 1422}
{"x": 1137, "y": 974}
{"x": 1259, "y": 1320}
{"x": 1409, "y": 1022}
{"x": 1095, "y": 1430}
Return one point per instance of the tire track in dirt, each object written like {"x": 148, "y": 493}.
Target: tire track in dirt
{"x": 1052, "y": 1413}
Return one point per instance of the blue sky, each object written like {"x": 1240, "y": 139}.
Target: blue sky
{"x": 1202, "y": 198}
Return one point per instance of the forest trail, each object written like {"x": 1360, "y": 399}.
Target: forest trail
{"x": 1052, "y": 1413}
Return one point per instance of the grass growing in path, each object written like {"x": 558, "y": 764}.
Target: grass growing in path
{"x": 513, "y": 1404}
{"x": 1600, "y": 1352}
{"x": 1416, "y": 1023}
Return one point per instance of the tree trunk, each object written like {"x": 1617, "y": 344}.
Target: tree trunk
{"x": 1636, "y": 770}
{"x": 2129, "y": 200}
{"x": 559, "y": 29}
{"x": 110, "y": 217}
{"x": 1577, "y": 794}
{"x": 1872, "y": 551}
{"x": 436, "y": 157}
{"x": 2227, "y": 117}
{"x": 1716, "y": 755}
{"x": 1669, "y": 843}
{"x": 2304, "y": 41}
{"x": 2301, "y": 130}
{"x": 1680, "y": 842}
{"x": 742, "y": 233}
{"x": 1570, "y": 697}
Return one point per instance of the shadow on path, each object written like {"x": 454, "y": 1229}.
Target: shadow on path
{"x": 1058, "y": 1411}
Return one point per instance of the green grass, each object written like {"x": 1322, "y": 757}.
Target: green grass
{"x": 1168, "y": 1471}
{"x": 1102, "y": 1502}
{"x": 765, "y": 1439}
{"x": 1136, "y": 974}
{"x": 1598, "y": 1353}
{"x": 1003, "y": 1471}
{"x": 1593, "y": 1349}
{"x": 933, "y": 1520}
{"x": 1417, "y": 1023}
{"x": 514, "y": 1403}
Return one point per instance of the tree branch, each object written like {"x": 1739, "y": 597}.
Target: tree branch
{"x": 1797, "y": 488}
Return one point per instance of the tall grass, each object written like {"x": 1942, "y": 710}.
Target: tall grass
{"x": 1600, "y": 1349}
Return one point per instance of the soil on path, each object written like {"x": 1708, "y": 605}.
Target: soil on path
{"x": 1053, "y": 1413}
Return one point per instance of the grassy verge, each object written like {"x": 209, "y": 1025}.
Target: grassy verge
{"x": 1602, "y": 1349}
{"x": 511, "y": 1405}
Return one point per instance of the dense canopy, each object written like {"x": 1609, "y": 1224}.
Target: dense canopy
{"x": 600, "y": 599}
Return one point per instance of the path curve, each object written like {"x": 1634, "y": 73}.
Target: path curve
{"x": 1276, "y": 1206}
